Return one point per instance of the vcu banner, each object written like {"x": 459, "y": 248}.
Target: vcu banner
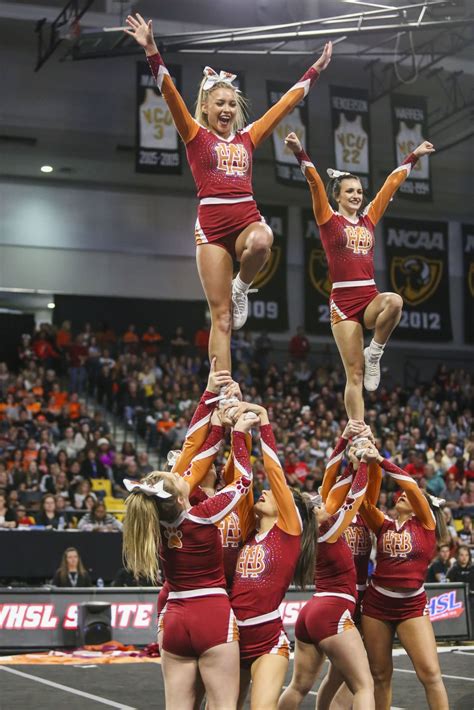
{"x": 317, "y": 286}
{"x": 468, "y": 259}
{"x": 351, "y": 130}
{"x": 418, "y": 269}
{"x": 287, "y": 169}
{"x": 157, "y": 148}
{"x": 268, "y": 309}
{"x": 410, "y": 128}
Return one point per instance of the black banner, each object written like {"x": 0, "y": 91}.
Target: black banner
{"x": 418, "y": 269}
{"x": 351, "y": 130}
{"x": 287, "y": 170}
{"x": 468, "y": 273}
{"x": 47, "y": 618}
{"x": 410, "y": 128}
{"x": 317, "y": 286}
{"x": 268, "y": 309}
{"x": 157, "y": 142}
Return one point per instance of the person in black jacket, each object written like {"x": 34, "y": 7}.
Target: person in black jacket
{"x": 463, "y": 569}
{"x": 71, "y": 572}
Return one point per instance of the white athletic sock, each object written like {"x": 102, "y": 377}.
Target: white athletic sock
{"x": 241, "y": 285}
{"x": 375, "y": 350}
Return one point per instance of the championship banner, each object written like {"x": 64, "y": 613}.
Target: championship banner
{"x": 410, "y": 128}
{"x": 317, "y": 286}
{"x": 287, "y": 169}
{"x": 351, "y": 130}
{"x": 468, "y": 259}
{"x": 48, "y": 617}
{"x": 157, "y": 143}
{"x": 418, "y": 269}
{"x": 268, "y": 309}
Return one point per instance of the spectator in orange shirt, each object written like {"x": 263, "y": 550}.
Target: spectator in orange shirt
{"x": 201, "y": 340}
{"x": 58, "y": 398}
{"x": 45, "y": 352}
{"x": 130, "y": 339}
{"x": 75, "y": 407}
{"x": 64, "y": 336}
{"x": 299, "y": 345}
{"x": 150, "y": 340}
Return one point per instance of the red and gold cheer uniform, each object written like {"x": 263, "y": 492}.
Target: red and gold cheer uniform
{"x": 396, "y": 591}
{"x": 331, "y": 609}
{"x": 198, "y": 612}
{"x": 222, "y": 167}
{"x": 349, "y": 245}
{"x": 266, "y": 565}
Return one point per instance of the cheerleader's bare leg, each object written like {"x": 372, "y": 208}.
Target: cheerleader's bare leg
{"x": 349, "y": 338}
{"x": 418, "y": 639}
{"x": 215, "y": 271}
{"x": 308, "y": 663}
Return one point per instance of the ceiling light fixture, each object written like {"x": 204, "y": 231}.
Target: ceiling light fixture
{"x": 47, "y": 168}
{"x": 51, "y": 305}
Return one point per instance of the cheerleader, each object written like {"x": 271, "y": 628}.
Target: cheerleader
{"x": 325, "y": 625}
{"x": 347, "y": 235}
{"x": 219, "y": 148}
{"x": 395, "y": 600}
{"x": 278, "y": 534}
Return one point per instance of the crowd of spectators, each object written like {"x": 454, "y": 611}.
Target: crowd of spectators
{"x": 53, "y": 449}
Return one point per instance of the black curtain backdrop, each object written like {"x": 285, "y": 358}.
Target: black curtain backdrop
{"x": 118, "y": 313}
{"x": 12, "y": 326}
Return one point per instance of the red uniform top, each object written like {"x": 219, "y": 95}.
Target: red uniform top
{"x": 267, "y": 562}
{"x": 191, "y": 551}
{"x": 358, "y": 538}
{"x": 403, "y": 551}
{"x": 222, "y": 167}
{"x": 349, "y": 245}
{"x": 335, "y": 570}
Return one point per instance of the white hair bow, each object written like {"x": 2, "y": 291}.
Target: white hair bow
{"x": 437, "y": 502}
{"x": 157, "y": 489}
{"x": 213, "y": 78}
{"x": 336, "y": 173}
{"x": 172, "y": 457}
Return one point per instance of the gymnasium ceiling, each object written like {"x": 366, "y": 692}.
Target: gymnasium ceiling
{"x": 89, "y": 152}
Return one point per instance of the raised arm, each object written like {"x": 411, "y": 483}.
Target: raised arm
{"x": 205, "y": 457}
{"x": 379, "y": 204}
{"x": 417, "y": 500}
{"x": 334, "y": 492}
{"x": 321, "y": 208}
{"x": 332, "y": 529}
{"x": 264, "y": 126}
{"x": 198, "y": 429}
{"x": 288, "y": 516}
{"x": 371, "y": 515}
{"x": 215, "y": 509}
{"x": 142, "y": 32}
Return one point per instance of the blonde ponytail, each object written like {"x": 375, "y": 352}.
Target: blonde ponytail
{"x": 203, "y": 95}
{"x": 141, "y": 526}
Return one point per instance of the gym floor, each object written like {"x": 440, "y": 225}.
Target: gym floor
{"x": 135, "y": 686}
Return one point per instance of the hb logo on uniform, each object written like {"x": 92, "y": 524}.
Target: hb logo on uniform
{"x": 415, "y": 278}
{"x": 318, "y": 272}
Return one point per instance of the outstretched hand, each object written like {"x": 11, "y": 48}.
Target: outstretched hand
{"x": 323, "y": 61}
{"x": 293, "y": 143}
{"x": 141, "y": 31}
{"x": 217, "y": 379}
{"x": 425, "y": 148}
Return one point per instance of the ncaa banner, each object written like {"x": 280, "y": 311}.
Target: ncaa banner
{"x": 268, "y": 309}
{"x": 468, "y": 259}
{"x": 317, "y": 286}
{"x": 418, "y": 269}
{"x": 351, "y": 130}
{"x": 287, "y": 169}
{"x": 410, "y": 128}
{"x": 157, "y": 144}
